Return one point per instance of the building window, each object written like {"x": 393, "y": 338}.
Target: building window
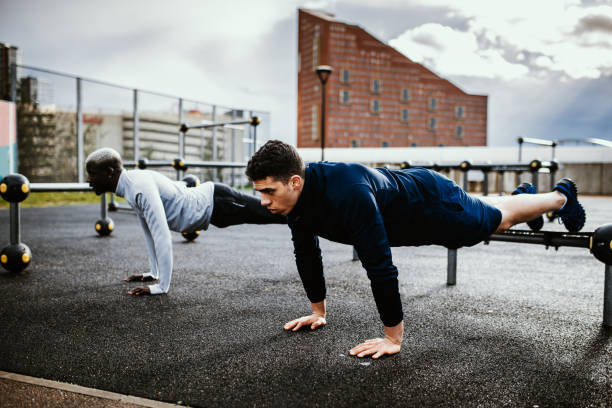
{"x": 432, "y": 123}
{"x": 405, "y": 115}
{"x": 315, "y": 48}
{"x": 384, "y": 143}
{"x": 354, "y": 143}
{"x": 345, "y": 76}
{"x": 460, "y": 112}
{"x": 375, "y": 86}
{"x": 433, "y": 103}
{"x": 375, "y": 106}
{"x": 315, "y": 122}
{"x": 344, "y": 97}
{"x": 459, "y": 131}
{"x": 405, "y": 95}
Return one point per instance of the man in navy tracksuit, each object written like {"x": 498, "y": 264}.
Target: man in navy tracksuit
{"x": 375, "y": 209}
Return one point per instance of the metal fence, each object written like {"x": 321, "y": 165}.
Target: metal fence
{"x": 61, "y": 118}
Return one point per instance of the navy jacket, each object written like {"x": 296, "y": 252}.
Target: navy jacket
{"x": 372, "y": 209}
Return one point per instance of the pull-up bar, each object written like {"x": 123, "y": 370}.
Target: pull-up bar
{"x": 253, "y": 121}
{"x": 595, "y": 141}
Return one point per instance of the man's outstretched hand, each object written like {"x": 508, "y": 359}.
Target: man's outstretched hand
{"x": 314, "y": 321}
{"x": 139, "y": 278}
{"x": 140, "y": 290}
{"x": 391, "y": 344}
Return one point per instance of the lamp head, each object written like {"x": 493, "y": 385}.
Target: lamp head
{"x": 323, "y": 72}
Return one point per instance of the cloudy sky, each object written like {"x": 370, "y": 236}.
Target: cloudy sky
{"x": 545, "y": 64}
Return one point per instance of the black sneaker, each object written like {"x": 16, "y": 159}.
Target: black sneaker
{"x": 572, "y": 214}
{"x": 527, "y": 188}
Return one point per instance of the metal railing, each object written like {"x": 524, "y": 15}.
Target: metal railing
{"x": 75, "y": 115}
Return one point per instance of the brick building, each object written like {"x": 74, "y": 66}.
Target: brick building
{"x": 377, "y": 97}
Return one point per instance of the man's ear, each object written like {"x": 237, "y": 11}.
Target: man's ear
{"x": 295, "y": 182}
{"x": 110, "y": 171}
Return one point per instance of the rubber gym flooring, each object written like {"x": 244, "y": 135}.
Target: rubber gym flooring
{"x": 522, "y": 327}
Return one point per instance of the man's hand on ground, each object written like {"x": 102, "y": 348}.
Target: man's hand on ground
{"x": 391, "y": 344}
{"x": 140, "y": 290}
{"x": 314, "y": 321}
{"x": 378, "y": 347}
{"x": 139, "y": 278}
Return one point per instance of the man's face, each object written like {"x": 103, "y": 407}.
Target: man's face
{"x": 279, "y": 197}
{"x": 98, "y": 179}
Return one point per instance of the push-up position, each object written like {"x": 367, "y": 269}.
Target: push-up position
{"x": 163, "y": 205}
{"x": 375, "y": 209}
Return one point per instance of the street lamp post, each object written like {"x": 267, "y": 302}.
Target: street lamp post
{"x": 323, "y": 72}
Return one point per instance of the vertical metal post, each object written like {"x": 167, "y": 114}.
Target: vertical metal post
{"x": 214, "y": 142}
{"x": 15, "y": 221}
{"x": 136, "y": 125}
{"x": 214, "y": 135}
{"x": 79, "y": 129}
{"x": 181, "y": 151}
{"x": 233, "y": 148}
{"x": 534, "y": 179}
{"x": 485, "y": 183}
{"x": 254, "y": 138}
{"x": 465, "y": 181}
{"x": 103, "y": 208}
{"x": 451, "y": 269}
{"x": 323, "y": 121}
{"x": 252, "y": 147}
{"x": 181, "y": 135}
{"x": 607, "y": 309}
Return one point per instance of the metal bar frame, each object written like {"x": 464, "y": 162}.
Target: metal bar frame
{"x": 548, "y": 238}
{"x": 59, "y": 187}
{"x": 136, "y": 126}
{"x": 203, "y": 164}
{"x": 15, "y": 214}
{"x": 79, "y": 130}
{"x": 217, "y": 124}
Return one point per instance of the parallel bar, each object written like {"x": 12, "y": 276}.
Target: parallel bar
{"x": 216, "y": 124}
{"x": 548, "y": 238}
{"x": 59, "y": 187}
{"x": 205, "y": 164}
{"x": 486, "y": 166}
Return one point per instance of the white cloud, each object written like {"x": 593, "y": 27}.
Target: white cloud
{"x": 451, "y": 52}
{"x": 563, "y": 36}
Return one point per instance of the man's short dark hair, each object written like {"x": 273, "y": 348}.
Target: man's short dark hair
{"x": 275, "y": 159}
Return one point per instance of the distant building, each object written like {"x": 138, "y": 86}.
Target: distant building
{"x": 377, "y": 97}
{"x": 8, "y": 57}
